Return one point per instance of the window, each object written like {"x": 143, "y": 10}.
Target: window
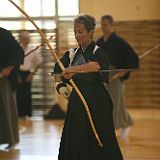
{"x": 40, "y": 7}
{"x": 8, "y": 10}
{"x": 69, "y": 8}
{"x": 42, "y": 12}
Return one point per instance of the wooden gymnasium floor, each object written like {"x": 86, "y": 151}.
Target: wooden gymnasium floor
{"x": 39, "y": 139}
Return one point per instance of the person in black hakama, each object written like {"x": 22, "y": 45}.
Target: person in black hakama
{"x": 122, "y": 56}
{"x": 78, "y": 141}
{"x": 11, "y": 56}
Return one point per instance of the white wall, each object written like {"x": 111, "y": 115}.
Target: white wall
{"x": 122, "y": 10}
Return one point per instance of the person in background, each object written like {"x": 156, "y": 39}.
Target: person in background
{"x": 27, "y": 70}
{"x": 78, "y": 141}
{"x": 122, "y": 56}
{"x": 11, "y": 56}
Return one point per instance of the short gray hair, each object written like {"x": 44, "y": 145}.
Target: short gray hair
{"x": 88, "y": 21}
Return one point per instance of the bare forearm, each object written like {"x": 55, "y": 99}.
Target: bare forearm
{"x": 88, "y": 67}
{"x": 84, "y": 68}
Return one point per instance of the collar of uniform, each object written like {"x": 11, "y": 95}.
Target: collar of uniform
{"x": 90, "y": 45}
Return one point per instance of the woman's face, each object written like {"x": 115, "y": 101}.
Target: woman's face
{"x": 83, "y": 37}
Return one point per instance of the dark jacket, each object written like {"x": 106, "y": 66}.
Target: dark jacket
{"x": 11, "y": 54}
{"x": 121, "y": 54}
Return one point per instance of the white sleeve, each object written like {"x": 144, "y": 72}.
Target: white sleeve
{"x": 37, "y": 59}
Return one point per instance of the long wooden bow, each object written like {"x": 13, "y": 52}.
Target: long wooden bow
{"x": 63, "y": 68}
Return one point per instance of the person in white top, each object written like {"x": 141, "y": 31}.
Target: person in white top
{"x": 31, "y": 63}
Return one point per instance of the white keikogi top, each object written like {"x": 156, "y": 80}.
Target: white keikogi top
{"x": 32, "y": 60}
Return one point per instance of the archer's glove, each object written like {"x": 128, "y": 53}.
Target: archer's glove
{"x": 62, "y": 89}
{"x": 64, "y": 92}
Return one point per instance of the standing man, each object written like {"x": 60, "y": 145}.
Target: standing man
{"x": 122, "y": 56}
{"x": 11, "y": 56}
{"x": 31, "y": 63}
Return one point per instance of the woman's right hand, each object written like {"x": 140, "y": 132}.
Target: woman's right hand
{"x": 64, "y": 91}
